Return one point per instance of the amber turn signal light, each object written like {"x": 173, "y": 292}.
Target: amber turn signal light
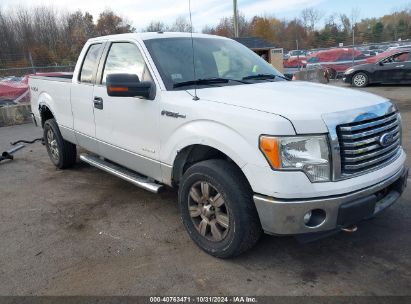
{"x": 270, "y": 146}
{"x": 117, "y": 89}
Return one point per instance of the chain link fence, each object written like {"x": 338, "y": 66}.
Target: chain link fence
{"x": 17, "y": 65}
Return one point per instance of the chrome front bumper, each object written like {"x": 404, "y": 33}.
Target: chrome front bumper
{"x": 286, "y": 217}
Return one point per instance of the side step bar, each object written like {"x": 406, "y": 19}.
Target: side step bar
{"x": 123, "y": 173}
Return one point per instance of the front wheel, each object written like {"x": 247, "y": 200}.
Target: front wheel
{"x": 217, "y": 208}
{"x": 360, "y": 80}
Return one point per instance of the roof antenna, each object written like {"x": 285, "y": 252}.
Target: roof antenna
{"x": 192, "y": 47}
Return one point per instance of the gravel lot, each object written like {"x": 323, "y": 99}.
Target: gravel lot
{"x": 84, "y": 232}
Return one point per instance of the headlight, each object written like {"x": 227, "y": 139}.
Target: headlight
{"x": 309, "y": 154}
{"x": 349, "y": 71}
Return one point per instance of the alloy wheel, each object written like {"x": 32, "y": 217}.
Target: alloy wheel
{"x": 208, "y": 211}
{"x": 53, "y": 146}
{"x": 360, "y": 80}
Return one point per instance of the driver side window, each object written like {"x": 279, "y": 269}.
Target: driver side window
{"x": 124, "y": 57}
{"x": 402, "y": 57}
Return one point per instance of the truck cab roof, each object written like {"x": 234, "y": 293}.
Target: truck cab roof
{"x": 152, "y": 35}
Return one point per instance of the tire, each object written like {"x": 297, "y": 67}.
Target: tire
{"x": 360, "y": 80}
{"x": 232, "y": 225}
{"x": 62, "y": 153}
{"x": 332, "y": 74}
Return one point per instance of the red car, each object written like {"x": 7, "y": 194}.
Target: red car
{"x": 336, "y": 60}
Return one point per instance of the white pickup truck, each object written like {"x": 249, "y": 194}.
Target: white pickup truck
{"x": 248, "y": 150}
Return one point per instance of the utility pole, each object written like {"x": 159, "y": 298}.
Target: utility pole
{"x": 235, "y": 18}
{"x": 353, "y": 44}
{"x": 31, "y": 62}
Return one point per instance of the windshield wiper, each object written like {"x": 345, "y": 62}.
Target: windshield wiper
{"x": 206, "y": 81}
{"x": 263, "y": 77}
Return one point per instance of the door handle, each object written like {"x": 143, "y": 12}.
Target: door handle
{"x": 98, "y": 103}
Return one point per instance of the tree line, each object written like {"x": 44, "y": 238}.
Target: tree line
{"x": 52, "y": 37}
{"x": 312, "y": 29}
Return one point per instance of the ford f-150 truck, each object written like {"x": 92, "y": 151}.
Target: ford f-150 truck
{"x": 248, "y": 150}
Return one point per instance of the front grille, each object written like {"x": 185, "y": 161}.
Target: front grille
{"x": 360, "y": 145}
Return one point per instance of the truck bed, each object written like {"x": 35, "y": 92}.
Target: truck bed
{"x": 63, "y": 77}
{"x": 54, "y": 92}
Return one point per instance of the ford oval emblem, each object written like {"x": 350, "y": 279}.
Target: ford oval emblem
{"x": 386, "y": 139}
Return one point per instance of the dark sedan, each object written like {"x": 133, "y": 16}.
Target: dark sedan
{"x": 396, "y": 68}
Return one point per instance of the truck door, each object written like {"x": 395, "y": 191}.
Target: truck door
{"x": 82, "y": 98}
{"x": 393, "y": 70}
{"x": 127, "y": 127}
{"x": 407, "y": 69}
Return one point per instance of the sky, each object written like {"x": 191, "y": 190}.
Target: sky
{"x": 209, "y": 12}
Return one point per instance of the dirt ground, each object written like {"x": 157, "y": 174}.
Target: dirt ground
{"x": 84, "y": 232}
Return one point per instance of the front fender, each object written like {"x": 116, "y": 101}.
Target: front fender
{"x": 216, "y": 135}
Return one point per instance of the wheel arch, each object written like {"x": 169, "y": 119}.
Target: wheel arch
{"x": 193, "y": 154}
{"x": 44, "y": 107}
{"x": 45, "y": 113}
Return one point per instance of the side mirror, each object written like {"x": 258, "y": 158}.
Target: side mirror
{"x": 381, "y": 63}
{"x": 129, "y": 85}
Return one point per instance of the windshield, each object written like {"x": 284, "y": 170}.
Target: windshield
{"x": 214, "y": 58}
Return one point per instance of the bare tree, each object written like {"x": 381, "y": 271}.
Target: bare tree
{"x": 156, "y": 26}
{"x": 345, "y": 23}
{"x": 310, "y": 18}
{"x": 181, "y": 25}
{"x": 355, "y": 15}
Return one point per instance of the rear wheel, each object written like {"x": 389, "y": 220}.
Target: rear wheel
{"x": 217, "y": 208}
{"x": 360, "y": 80}
{"x": 62, "y": 153}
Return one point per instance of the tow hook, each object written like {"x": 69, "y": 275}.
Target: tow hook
{"x": 350, "y": 229}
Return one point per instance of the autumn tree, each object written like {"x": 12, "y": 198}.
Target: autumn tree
{"x": 77, "y": 29}
{"x": 226, "y": 27}
{"x": 109, "y": 23}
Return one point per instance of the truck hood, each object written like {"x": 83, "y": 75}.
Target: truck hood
{"x": 303, "y": 103}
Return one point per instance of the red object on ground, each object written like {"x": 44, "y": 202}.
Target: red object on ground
{"x": 338, "y": 60}
{"x": 12, "y": 90}
{"x": 18, "y": 91}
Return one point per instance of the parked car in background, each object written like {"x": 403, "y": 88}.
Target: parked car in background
{"x": 295, "y": 54}
{"x": 336, "y": 60}
{"x": 399, "y": 47}
{"x": 368, "y": 53}
{"x": 390, "y": 67}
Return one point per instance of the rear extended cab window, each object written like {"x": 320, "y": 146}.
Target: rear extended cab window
{"x": 90, "y": 63}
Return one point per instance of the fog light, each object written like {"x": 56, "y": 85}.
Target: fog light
{"x": 307, "y": 217}
{"x": 315, "y": 218}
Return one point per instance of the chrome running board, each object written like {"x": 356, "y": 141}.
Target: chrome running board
{"x": 123, "y": 173}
